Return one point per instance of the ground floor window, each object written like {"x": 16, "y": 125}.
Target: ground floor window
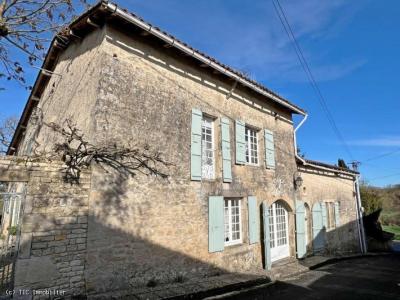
{"x": 232, "y": 222}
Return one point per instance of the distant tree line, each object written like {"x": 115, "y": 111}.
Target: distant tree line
{"x": 387, "y": 199}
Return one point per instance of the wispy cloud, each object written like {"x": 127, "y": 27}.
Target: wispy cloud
{"x": 250, "y": 37}
{"x": 386, "y": 141}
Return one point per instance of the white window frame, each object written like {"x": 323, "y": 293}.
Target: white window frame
{"x": 230, "y": 223}
{"x": 207, "y": 122}
{"x": 248, "y": 154}
{"x": 278, "y": 249}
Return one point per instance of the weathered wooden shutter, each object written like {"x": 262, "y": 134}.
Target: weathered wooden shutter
{"x": 254, "y": 229}
{"x": 324, "y": 215}
{"x": 215, "y": 223}
{"x": 195, "y": 158}
{"x": 318, "y": 232}
{"x": 300, "y": 229}
{"x": 269, "y": 149}
{"x": 337, "y": 214}
{"x": 267, "y": 246}
{"x": 240, "y": 142}
{"x": 226, "y": 151}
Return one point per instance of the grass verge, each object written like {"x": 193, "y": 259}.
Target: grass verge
{"x": 393, "y": 229}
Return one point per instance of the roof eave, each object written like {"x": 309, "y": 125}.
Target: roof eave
{"x": 114, "y": 9}
{"x": 328, "y": 167}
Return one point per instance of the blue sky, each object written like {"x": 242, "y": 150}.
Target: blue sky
{"x": 352, "y": 48}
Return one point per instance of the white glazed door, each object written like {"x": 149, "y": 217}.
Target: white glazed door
{"x": 279, "y": 234}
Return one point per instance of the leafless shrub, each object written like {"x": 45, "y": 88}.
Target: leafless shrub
{"x": 78, "y": 154}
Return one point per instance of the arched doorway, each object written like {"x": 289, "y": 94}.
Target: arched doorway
{"x": 279, "y": 230}
{"x": 318, "y": 228}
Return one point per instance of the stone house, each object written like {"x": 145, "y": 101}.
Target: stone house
{"x": 238, "y": 198}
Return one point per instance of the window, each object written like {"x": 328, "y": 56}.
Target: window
{"x": 251, "y": 146}
{"x": 271, "y": 227}
{"x": 207, "y": 148}
{"x": 330, "y": 208}
{"x": 277, "y": 225}
{"x": 232, "y": 222}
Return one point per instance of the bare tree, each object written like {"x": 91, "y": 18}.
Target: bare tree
{"x": 27, "y": 26}
{"x": 7, "y": 129}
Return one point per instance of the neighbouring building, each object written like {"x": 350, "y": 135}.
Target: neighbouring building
{"x": 238, "y": 198}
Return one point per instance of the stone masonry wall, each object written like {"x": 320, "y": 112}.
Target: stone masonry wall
{"x": 159, "y": 229}
{"x": 53, "y": 230}
{"x": 326, "y": 186}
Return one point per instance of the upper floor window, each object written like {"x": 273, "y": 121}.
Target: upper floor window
{"x": 207, "y": 148}
{"x": 232, "y": 222}
{"x": 251, "y": 146}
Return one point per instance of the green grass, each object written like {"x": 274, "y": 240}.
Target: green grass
{"x": 393, "y": 229}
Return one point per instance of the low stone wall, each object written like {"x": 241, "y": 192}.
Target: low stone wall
{"x": 52, "y": 248}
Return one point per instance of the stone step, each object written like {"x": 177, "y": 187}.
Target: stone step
{"x": 286, "y": 267}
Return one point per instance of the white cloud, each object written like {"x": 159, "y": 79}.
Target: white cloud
{"x": 386, "y": 141}
{"x": 249, "y": 36}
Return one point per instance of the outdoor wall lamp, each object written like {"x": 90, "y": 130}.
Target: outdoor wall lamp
{"x": 298, "y": 181}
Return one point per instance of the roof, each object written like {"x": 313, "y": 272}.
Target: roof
{"x": 328, "y": 166}
{"x": 105, "y": 11}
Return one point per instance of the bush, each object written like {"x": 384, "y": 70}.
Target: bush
{"x": 371, "y": 199}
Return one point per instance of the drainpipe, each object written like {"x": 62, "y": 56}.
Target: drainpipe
{"x": 305, "y": 163}
{"x": 295, "y": 187}
{"x": 295, "y": 140}
{"x": 360, "y": 224}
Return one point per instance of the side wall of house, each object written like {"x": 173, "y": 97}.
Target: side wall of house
{"x": 70, "y": 95}
{"x": 327, "y": 187}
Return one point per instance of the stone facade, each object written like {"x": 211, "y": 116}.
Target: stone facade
{"x": 329, "y": 187}
{"x": 113, "y": 233}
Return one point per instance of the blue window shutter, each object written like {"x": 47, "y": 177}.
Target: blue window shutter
{"x": 195, "y": 154}
{"x": 324, "y": 215}
{"x": 226, "y": 151}
{"x": 300, "y": 229}
{"x": 215, "y": 223}
{"x": 318, "y": 232}
{"x": 337, "y": 214}
{"x": 254, "y": 229}
{"x": 267, "y": 245}
{"x": 240, "y": 142}
{"x": 269, "y": 149}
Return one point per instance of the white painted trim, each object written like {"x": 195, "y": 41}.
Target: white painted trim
{"x": 248, "y": 144}
{"x": 212, "y": 127}
{"x": 240, "y": 240}
{"x": 284, "y": 248}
